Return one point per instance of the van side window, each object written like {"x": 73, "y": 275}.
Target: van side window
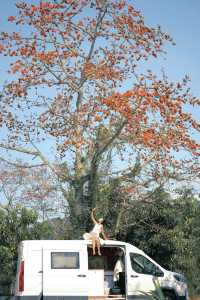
{"x": 65, "y": 260}
{"x": 142, "y": 265}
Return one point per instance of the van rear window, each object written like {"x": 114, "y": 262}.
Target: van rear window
{"x": 65, "y": 260}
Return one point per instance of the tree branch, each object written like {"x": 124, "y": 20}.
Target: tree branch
{"x": 18, "y": 165}
{"x": 42, "y": 157}
{"x": 83, "y": 78}
{"x": 19, "y": 149}
{"x": 110, "y": 141}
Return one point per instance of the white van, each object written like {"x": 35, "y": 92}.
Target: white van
{"x": 67, "y": 270}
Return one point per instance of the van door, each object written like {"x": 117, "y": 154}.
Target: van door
{"x": 65, "y": 272}
{"x": 141, "y": 274}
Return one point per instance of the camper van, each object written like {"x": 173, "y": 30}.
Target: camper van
{"x": 68, "y": 270}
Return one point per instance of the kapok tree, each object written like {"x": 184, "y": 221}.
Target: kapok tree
{"x": 74, "y": 84}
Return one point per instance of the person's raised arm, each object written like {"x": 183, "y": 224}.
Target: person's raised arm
{"x": 93, "y": 216}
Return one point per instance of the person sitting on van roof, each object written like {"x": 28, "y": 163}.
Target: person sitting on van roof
{"x": 94, "y": 234}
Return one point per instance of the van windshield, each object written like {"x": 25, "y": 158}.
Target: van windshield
{"x": 143, "y": 265}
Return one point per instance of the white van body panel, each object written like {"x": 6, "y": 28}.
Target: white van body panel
{"x": 137, "y": 283}
{"x": 33, "y": 285}
{"x": 61, "y": 282}
{"x": 42, "y": 279}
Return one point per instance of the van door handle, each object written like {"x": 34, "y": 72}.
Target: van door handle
{"x": 81, "y": 275}
{"x": 134, "y": 276}
{"x": 40, "y": 272}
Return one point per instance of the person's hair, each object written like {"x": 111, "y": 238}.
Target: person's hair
{"x": 104, "y": 221}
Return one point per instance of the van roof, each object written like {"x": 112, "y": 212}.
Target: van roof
{"x": 62, "y": 243}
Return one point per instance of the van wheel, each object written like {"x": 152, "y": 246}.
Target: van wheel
{"x": 169, "y": 295}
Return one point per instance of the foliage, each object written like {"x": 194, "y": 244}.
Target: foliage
{"x": 16, "y": 224}
{"x": 168, "y": 230}
{"x": 186, "y": 236}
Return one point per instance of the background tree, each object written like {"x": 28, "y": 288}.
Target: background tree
{"x": 186, "y": 236}
{"x": 33, "y": 188}
{"x": 168, "y": 230}
{"x": 74, "y": 83}
{"x": 16, "y": 224}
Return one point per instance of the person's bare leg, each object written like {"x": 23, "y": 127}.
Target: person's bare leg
{"x": 93, "y": 245}
{"x": 98, "y": 246}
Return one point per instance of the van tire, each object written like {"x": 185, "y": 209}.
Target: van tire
{"x": 169, "y": 295}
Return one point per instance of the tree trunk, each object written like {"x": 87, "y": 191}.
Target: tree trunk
{"x": 85, "y": 198}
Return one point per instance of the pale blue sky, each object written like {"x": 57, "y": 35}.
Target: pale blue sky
{"x": 180, "y": 18}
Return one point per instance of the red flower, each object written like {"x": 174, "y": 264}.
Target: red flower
{"x": 11, "y": 18}
{"x": 34, "y": 8}
{"x": 1, "y": 48}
